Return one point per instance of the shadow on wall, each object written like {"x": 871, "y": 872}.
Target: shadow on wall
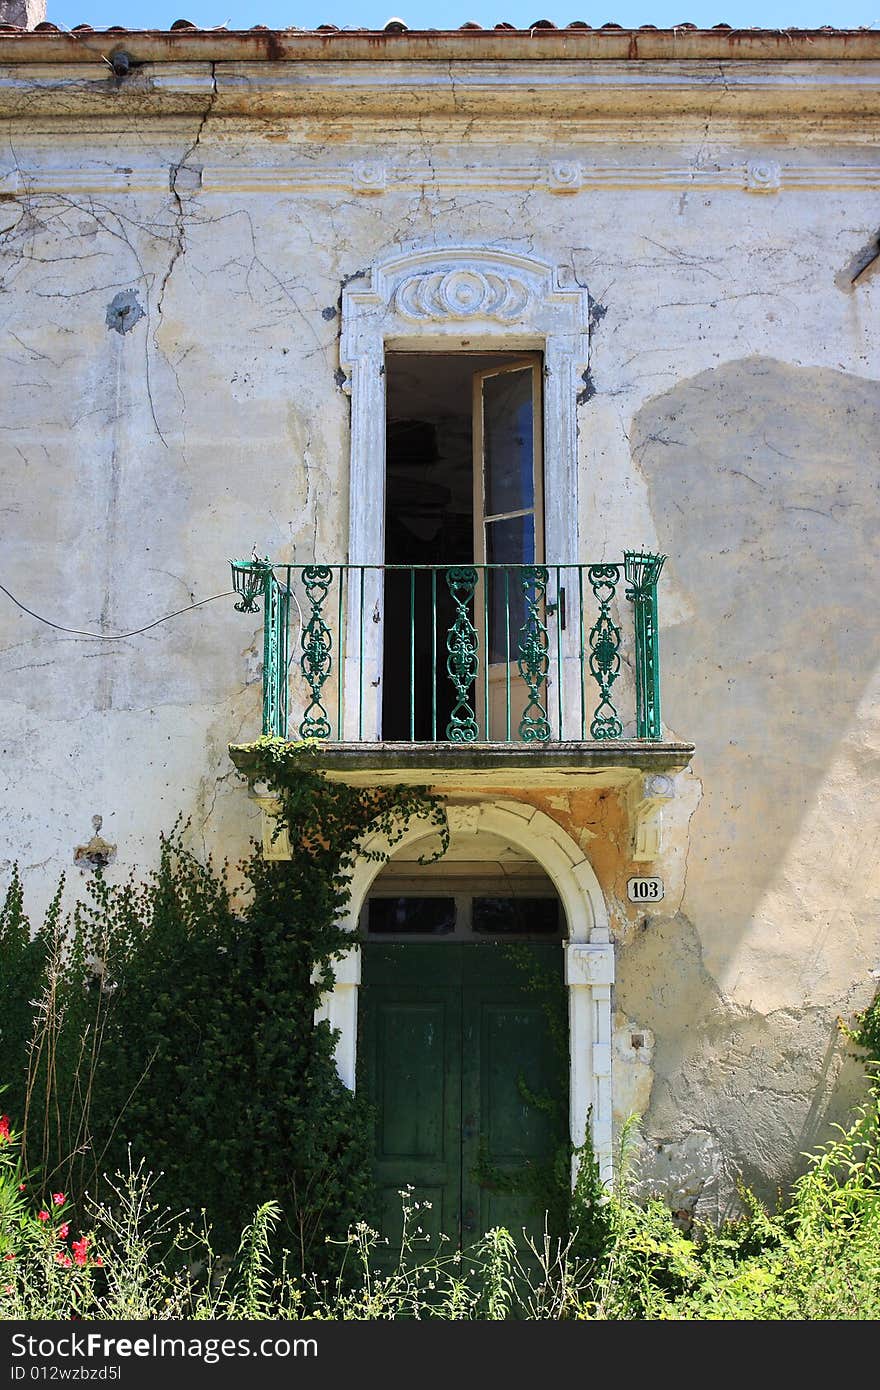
{"x": 764, "y": 485}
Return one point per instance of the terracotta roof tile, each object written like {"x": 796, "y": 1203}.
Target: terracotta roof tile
{"x": 665, "y": 42}
{"x": 399, "y": 25}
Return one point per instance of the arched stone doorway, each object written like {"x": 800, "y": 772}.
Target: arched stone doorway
{"x": 588, "y": 952}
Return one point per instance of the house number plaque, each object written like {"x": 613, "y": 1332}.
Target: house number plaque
{"x": 644, "y": 890}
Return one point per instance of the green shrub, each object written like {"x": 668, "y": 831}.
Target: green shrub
{"x": 170, "y": 1019}
{"x": 818, "y": 1259}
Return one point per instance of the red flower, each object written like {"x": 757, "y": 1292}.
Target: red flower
{"x": 63, "y": 1229}
{"x": 4, "y": 1127}
{"x": 62, "y": 1258}
{"x": 22, "y": 1187}
{"x": 98, "y": 1261}
{"x": 58, "y": 1199}
{"x": 43, "y": 1215}
{"x": 9, "y": 1288}
{"x": 9, "y": 1255}
{"x": 79, "y": 1248}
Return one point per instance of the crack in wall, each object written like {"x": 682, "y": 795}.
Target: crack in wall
{"x": 178, "y": 247}
{"x": 40, "y": 211}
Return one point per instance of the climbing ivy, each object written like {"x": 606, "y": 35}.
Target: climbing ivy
{"x": 866, "y": 1034}
{"x": 182, "y": 1022}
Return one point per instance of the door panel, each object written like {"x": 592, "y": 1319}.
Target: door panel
{"x": 410, "y": 1056}
{"x": 515, "y": 1080}
{"x": 465, "y": 1047}
{"x": 508, "y": 530}
{"x": 411, "y": 1031}
{"x": 507, "y": 417}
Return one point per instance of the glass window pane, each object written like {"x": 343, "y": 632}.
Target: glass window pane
{"x": 513, "y": 542}
{"x": 411, "y": 916}
{"x": 516, "y": 916}
{"x": 507, "y": 442}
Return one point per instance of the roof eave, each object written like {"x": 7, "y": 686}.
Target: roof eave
{"x": 47, "y": 46}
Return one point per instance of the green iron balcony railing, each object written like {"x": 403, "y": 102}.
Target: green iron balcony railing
{"x": 457, "y": 653}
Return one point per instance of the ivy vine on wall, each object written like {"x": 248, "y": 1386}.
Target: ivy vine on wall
{"x": 175, "y": 1018}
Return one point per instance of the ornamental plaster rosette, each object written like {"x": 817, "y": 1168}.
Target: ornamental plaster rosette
{"x": 763, "y": 176}
{"x": 369, "y": 176}
{"x": 565, "y": 176}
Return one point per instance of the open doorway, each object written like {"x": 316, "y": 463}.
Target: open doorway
{"x": 464, "y": 486}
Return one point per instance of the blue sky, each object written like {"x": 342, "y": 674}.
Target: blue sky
{"x": 449, "y": 14}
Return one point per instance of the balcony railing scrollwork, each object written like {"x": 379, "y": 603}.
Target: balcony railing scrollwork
{"x": 462, "y": 653}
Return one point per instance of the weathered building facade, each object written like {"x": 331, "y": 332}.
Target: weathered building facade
{"x": 408, "y": 306}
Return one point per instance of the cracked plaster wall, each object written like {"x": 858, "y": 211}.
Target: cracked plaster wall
{"x": 729, "y": 418}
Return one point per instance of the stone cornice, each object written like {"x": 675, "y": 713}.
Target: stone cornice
{"x": 571, "y": 177}
{"x": 538, "y": 92}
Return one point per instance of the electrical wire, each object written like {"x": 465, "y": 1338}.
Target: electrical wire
{"x": 112, "y": 636}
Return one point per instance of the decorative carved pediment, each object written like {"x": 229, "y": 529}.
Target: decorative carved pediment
{"x": 463, "y": 293}
{"x": 496, "y": 290}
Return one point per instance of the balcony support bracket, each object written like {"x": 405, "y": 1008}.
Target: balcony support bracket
{"x": 274, "y": 836}
{"x": 647, "y": 796}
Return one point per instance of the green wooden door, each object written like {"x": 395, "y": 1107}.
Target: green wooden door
{"x": 410, "y": 1042}
{"x": 464, "y": 1050}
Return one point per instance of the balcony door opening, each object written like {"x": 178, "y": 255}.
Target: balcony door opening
{"x": 464, "y": 489}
